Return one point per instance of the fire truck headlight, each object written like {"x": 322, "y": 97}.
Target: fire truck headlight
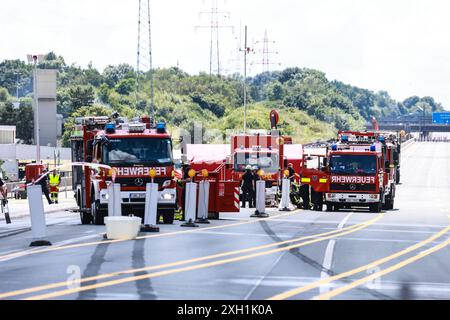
{"x": 166, "y": 183}
{"x": 167, "y": 196}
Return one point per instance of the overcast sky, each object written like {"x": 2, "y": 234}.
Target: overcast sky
{"x": 401, "y": 46}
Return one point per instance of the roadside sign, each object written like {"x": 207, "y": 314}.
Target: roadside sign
{"x": 441, "y": 117}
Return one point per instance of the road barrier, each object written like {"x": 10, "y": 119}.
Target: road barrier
{"x": 190, "y": 205}
{"x": 38, "y": 225}
{"x": 151, "y": 208}
{"x": 285, "y": 195}
{"x": 114, "y": 200}
{"x": 260, "y": 200}
{"x": 203, "y": 202}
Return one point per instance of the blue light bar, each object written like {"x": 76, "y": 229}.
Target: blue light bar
{"x": 161, "y": 127}
{"x": 334, "y": 147}
{"x": 110, "y": 128}
{"x": 344, "y": 138}
{"x": 382, "y": 139}
{"x": 373, "y": 148}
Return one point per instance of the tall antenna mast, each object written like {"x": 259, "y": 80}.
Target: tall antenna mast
{"x": 215, "y": 26}
{"x": 265, "y": 53}
{"x": 144, "y": 53}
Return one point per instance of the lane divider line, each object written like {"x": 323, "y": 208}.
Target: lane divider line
{"x": 174, "y": 264}
{"x": 88, "y": 244}
{"x": 315, "y": 284}
{"x": 328, "y": 257}
{"x": 199, "y": 266}
{"x": 383, "y": 272}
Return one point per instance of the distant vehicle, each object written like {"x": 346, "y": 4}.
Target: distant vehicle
{"x": 20, "y": 190}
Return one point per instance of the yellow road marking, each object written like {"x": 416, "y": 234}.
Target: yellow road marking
{"x": 88, "y": 244}
{"x": 378, "y": 274}
{"x": 316, "y": 284}
{"x": 174, "y": 264}
{"x": 200, "y": 266}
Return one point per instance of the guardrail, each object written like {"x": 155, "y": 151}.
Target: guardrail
{"x": 66, "y": 185}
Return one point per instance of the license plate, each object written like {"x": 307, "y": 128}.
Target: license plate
{"x": 138, "y": 196}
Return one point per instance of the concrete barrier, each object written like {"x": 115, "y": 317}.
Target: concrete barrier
{"x": 38, "y": 225}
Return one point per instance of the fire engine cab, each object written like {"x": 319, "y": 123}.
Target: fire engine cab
{"x": 361, "y": 172}
{"x": 132, "y": 150}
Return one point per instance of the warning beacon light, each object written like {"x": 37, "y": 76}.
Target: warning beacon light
{"x": 344, "y": 139}
{"x": 373, "y": 148}
{"x": 334, "y": 147}
{"x": 382, "y": 139}
{"x": 161, "y": 127}
{"x": 110, "y": 128}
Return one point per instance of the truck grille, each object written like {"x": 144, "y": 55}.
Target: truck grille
{"x": 353, "y": 187}
{"x": 136, "y": 182}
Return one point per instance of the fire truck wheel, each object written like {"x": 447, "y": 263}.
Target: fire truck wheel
{"x": 97, "y": 214}
{"x": 375, "y": 207}
{"x": 85, "y": 218}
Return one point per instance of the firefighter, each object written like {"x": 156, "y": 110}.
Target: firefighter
{"x": 43, "y": 182}
{"x": 3, "y": 192}
{"x": 304, "y": 194}
{"x": 255, "y": 179}
{"x": 247, "y": 186}
{"x": 55, "y": 181}
{"x": 292, "y": 173}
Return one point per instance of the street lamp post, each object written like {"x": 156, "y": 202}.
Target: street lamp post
{"x": 35, "y": 59}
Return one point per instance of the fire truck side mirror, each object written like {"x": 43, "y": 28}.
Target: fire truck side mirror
{"x": 325, "y": 162}
{"x": 286, "y": 162}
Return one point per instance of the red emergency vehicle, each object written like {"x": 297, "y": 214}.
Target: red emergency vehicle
{"x": 132, "y": 150}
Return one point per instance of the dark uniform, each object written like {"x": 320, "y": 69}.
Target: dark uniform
{"x": 2, "y": 192}
{"x": 304, "y": 193}
{"x": 255, "y": 179}
{"x": 291, "y": 174}
{"x": 44, "y": 185}
{"x": 247, "y": 185}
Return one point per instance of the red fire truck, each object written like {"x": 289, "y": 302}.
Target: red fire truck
{"x": 359, "y": 170}
{"x": 131, "y": 150}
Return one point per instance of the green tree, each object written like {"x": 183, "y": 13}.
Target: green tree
{"x": 80, "y": 96}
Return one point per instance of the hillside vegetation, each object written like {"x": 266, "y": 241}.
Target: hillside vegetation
{"x": 310, "y": 106}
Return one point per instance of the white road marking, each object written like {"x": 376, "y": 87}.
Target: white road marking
{"x": 328, "y": 258}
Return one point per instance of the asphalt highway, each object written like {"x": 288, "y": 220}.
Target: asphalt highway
{"x": 399, "y": 254}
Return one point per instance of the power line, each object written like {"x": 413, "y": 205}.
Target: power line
{"x": 216, "y": 17}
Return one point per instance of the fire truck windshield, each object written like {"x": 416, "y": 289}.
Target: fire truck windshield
{"x": 267, "y": 161}
{"x": 149, "y": 151}
{"x": 348, "y": 164}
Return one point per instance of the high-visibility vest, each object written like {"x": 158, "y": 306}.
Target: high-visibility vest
{"x": 54, "y": 180}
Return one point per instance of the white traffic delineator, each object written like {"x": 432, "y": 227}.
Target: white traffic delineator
{"x": 5, "y": 210}
{"x": 38, "y": 226}
{"x": 151, "y": 208}
{"x": 203, "y": 202}
{"x": 190, "y": 205}
{"x": 285, "y": 195}
{"x": 114, "y": 200}
{"x": 260, "y": 200}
